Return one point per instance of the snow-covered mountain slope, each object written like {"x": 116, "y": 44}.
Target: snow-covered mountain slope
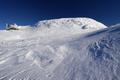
{"x": 81, "y": 23}
{"x": 55, "y": 27}
{"x": 94, "y": 55}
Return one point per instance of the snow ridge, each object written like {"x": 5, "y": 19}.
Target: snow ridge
{"x": 57, "y": 27}
{"x": 86, "y": 23}
{"x": 60, "y": 53}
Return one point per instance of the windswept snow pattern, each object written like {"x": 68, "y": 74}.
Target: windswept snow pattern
{"x": 81, "y": 23}
{"x": 61, "y": 52}
{"x": 55, "y": 27}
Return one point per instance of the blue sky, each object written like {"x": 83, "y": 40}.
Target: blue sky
{"x": 29, "y": 12}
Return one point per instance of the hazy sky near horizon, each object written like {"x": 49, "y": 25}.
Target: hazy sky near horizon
{"x": 29, "y": 12}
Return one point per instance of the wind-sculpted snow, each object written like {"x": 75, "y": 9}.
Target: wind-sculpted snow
{"x": 64, "y": 55}
{"x": 56, "y": 27}
{"x": 79, "y": 23}
{"x": 92, "y": 58}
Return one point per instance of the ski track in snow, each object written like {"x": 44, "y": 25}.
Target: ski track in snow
{"x": 58, "y": 53}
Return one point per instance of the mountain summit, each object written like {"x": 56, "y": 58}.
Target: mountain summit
{"x": 83, "y": 23}
{"x": 63, "y": 27}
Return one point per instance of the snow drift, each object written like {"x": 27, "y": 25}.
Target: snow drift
{"x": 62, "y": 50}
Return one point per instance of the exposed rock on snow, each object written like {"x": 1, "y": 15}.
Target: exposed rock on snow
{"x": 81, "y": 23}
{"x": 16, "y": 27}
{"x": 58, "y": 53}
{"x": 58, "y": 27}
{"x": 72, "y": 23}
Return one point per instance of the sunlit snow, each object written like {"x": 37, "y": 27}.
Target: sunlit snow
{"x": 61, "y": 49}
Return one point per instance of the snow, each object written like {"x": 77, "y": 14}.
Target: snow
{"x": 57, "y": 27}
{"x": 17, "y": 27}
{"x": 74, "y": 23}
{"x": 61, "y": 49}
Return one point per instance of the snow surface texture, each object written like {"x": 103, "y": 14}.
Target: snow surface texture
{"x": 56, "y": 27}
{"x": 65, "y": 51}
{"x": 83, "y": 23}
